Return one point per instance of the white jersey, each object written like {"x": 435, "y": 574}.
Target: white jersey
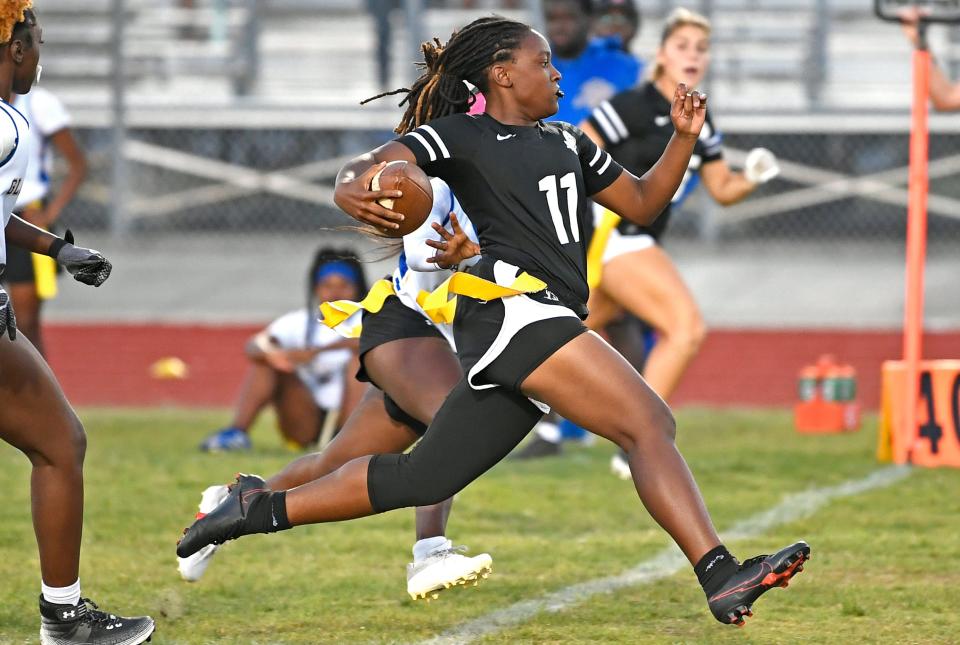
{"x": 414, "y": 274}
{"x": 14, "y": 151}
{"x": 47, "y": 116}
{"x": 324, "y": 375}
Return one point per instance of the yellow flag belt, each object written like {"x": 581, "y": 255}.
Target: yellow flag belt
{"x": 598, "y": 245}
{"x": 440, "y": 304}
{"x": 334, "y": 313}
{"x": 440, "y": 307}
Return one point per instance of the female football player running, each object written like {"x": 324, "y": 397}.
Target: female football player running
{"x": 412, "y": 363}
{"x": 524, "y": 183}
{"x": 35, "y": 417}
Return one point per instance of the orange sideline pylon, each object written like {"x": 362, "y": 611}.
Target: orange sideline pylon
{"x": 916, "y": 248}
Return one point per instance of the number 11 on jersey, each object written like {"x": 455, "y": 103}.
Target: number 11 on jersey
{"x": 551, "y": 187}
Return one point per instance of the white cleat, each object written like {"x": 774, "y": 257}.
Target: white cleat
{"x": 445, "y": 569}
{"x": 620, "y": 467}
{"x": 193, "y": 567}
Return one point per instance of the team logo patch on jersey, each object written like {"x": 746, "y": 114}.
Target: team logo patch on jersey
{"x": 15, "y": 187}
{"x": 570, "y": 142}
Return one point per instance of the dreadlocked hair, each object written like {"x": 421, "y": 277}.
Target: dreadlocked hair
{"x": 441, "y": 90}
{"x": 326, "y": 255}
{"x": 14, "y": 13}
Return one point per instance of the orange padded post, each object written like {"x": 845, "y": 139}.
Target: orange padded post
{"x": 937, "y": 433}
{"x": 916, "y": 249}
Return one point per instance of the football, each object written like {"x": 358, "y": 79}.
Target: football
{"x": 417, "y": 200}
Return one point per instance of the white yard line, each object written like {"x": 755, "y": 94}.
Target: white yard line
{"x": 667, "y": 562}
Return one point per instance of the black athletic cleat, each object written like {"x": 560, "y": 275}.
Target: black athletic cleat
{"x": 227, "y": 521}
{"x": 84, "y": 624}
{"x": 756, "y": 576}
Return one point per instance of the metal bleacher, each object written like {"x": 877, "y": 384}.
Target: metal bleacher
{"x": 806, "y": 55}
{"x": 768, "y": 55}
{"x": 168, "y": 48}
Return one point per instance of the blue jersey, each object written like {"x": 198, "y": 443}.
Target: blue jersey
{"x": 598, "y": 73}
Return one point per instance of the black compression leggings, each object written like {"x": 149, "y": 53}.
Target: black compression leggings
{"x": 470, "y": 434}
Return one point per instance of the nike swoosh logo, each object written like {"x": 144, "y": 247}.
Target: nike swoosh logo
{"x": 661, "y": 120}
{"x": 504, "y": 137}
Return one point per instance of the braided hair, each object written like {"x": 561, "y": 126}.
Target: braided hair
{"x": 441, "y": 90}
{"x": 325, "y": 255}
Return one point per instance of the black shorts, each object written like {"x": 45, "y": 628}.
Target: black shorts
{"x": 502, "y": 341}
{"x": 19, "y": 266}
{"x": 398, "y": 414}
{"x": 394, "y": 321}
{"x": 20, "y": 261}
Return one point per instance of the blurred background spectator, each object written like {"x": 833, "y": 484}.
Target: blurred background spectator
{"x": 593, "y": 68}
{"x": 620, "y": 18}
{"x": 302, "y": 368}
{"x": 381, "y": 11}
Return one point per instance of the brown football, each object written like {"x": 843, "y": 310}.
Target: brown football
{"x": 417, "y": 200}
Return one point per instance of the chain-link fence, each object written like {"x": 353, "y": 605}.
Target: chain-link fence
{"x": 836, "y": 185}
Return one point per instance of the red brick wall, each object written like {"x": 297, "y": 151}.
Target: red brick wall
{"x": 758, "y": 367}
{"x": 110, "y": 364}
{"x": 106, "y": 364}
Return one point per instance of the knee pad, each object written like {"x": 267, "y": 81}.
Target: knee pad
{"x": 396, "y": 413}
{"x": 393, "y": 484}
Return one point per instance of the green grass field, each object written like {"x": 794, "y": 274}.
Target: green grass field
{"x": 885, "y": 565}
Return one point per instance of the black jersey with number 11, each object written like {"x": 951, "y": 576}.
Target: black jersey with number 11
{"x": 525, "y": 189}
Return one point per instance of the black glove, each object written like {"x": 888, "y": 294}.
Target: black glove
{"x": 8, "y": 322}
{"x": 85, "y": 265}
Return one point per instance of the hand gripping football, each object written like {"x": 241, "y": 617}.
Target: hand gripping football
{"x": 417, "y": 200}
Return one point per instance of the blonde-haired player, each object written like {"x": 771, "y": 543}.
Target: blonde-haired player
{"x": 34, "y": 414}
{"x": 637, "y": 275}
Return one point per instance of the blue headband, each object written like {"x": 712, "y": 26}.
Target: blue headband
{"x": 343, "y": 269}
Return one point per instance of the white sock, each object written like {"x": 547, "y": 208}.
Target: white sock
{"x": 548, "y": 431}
{"x": 62, "y": 595}
{"x": 423, "y": 548}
